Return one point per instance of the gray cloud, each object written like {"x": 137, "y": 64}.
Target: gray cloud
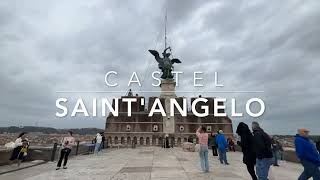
{"x": 69, "y": 45}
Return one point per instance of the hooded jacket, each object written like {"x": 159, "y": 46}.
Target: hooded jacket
{"x": 306, "y": 150}
{"x": 246, "y": 143}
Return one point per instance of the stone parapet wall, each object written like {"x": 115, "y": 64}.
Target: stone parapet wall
{"x": 40, "y": 153}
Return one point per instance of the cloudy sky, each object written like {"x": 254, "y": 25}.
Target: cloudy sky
{"x": 269, "y": 46}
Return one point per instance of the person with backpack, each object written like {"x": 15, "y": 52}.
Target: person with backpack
{"x": 262, "y": 148}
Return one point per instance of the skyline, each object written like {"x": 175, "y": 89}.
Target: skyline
{"x": 49, "y": 48}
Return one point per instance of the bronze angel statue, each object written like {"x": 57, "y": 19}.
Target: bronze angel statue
{"x": 165, "y": 63}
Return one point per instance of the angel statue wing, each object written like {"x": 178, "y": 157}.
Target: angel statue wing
{"x": 156, "y": 55}
{"x": 175, "y": 61}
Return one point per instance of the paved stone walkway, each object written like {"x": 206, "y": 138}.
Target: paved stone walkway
{"x": 149, "y": 163}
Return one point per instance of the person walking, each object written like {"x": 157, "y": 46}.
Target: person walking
{"x": 308, "y": 155}
{"x": 98, "y": 143}
{"x": 276, "y": 148}
{"x": 262, "y": 148}
{"x": 92, "y": 145}
{"x": 222, "y": 147}
{"x": 246, "y": 144}
{"x": 203, "y": 152}
{"x": 103, "y": 140}
{"x": 213, "y": 144}
{"x": 231, "y": 145}
{"x": 66, "y": 145}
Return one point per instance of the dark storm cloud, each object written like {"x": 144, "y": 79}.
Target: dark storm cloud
{"x": 69, "y": 45}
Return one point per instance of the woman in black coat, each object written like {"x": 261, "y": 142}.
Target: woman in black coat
{"x": 246, "y": 143}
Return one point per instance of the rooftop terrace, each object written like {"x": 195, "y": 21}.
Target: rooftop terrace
{"x": 148, "y": 163}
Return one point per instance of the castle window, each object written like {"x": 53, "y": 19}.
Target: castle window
{"x": 155, "y": 128}
{"x": 209, "y": 128}
{"x": 181, "y": 128}
{"x": 128, "y": 127}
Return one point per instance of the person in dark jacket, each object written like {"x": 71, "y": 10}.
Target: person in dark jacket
{"x": 103, "y": 140}
{"x": 262, "y": 149}
{"x": 246, "y": 144}
{"x": 212, "y": 143}
{"x": 166, "y": 142}
{"x": 308, "y": 155}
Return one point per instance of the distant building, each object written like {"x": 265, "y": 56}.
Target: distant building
{"x": 144, "y": 130}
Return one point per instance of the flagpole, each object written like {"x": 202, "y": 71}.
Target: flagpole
{"x": 165, "y": 30}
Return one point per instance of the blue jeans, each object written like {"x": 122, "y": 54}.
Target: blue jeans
{"x": 97, "y": 148}
{"x": 223, "y": 156}
{"x": 262, "y": 168}
{"x": 310, "y": 170}
{"x": 203, "y": 153}
{"x": 275, "y": 158}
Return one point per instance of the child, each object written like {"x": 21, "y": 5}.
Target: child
{"x": 23, "y": 152}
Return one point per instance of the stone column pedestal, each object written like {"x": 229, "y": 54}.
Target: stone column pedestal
{"x": 168, "y": 87}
